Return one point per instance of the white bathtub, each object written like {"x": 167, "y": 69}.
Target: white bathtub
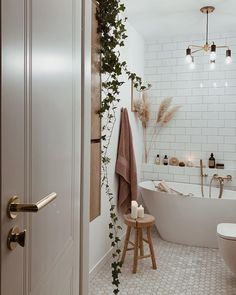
{"x": 189, "y": 220}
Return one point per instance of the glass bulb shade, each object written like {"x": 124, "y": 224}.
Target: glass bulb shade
{"x": 188, "y": 59}
{"x": 228, "y": 60}
{"x": 213, "y": 56}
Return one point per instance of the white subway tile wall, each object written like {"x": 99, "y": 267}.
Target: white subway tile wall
{"x": 206, "y": 121}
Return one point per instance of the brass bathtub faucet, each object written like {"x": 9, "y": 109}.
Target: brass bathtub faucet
{"x": 221, "y": 180}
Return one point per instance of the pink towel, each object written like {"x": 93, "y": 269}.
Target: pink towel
{"x": 126, "y": 165}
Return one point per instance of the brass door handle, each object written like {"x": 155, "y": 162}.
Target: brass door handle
{"x": 16, "y": 237}
{"x": 14, "y": 205}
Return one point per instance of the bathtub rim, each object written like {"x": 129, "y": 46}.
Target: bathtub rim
{"x": 164, "y": 194}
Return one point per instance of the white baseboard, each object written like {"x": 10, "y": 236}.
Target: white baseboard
{"x": 93, "y": 272}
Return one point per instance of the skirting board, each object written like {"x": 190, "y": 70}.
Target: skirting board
{"x": 93, "y": 272}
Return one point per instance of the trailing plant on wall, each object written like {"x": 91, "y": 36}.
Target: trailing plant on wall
{"x": 112, "y": 32}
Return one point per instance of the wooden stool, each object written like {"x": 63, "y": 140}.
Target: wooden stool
{"x": 139, "y": 224}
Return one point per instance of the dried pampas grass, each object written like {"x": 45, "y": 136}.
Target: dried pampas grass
{"x": 142, "y": 107}
{"x": 164, "y": 106}
{"x": 170, "y": 115}
{"x": 164, "y": 115}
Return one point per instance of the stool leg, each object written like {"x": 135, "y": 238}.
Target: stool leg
{"x": 141, "y": 242}
{"x": 135, "y": 265}
{"x": 154, "y": 266}
{"x": 126, "y": 243}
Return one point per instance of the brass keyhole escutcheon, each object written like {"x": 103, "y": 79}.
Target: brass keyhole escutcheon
{"x": 15, "y": 237}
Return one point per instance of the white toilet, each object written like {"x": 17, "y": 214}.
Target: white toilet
{"x": 226, "y": 233}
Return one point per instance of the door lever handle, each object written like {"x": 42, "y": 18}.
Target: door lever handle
{"x": 15, "y": 206}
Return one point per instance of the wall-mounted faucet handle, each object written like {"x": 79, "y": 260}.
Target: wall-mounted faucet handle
{"x": 222, "y": 178}
{"x": 229, "y": 177}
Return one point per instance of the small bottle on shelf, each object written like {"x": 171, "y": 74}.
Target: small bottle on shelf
{"x": 157, "y": 160}
{"x": 165, "y": 160}
{"x": 212, "y": 161}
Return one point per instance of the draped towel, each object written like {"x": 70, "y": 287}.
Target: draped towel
{"x": 126, "y": 165}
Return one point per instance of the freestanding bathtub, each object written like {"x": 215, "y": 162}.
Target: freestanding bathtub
{"x": 190, "y": 220}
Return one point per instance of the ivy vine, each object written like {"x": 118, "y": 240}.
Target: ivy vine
{"x": 112, "y": 32}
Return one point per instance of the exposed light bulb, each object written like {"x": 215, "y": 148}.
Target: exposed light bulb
{"x": 212, "y": 65}
{"x": 226, "y": 84}
{"x": 201, "y": 85}
{"x": 215, "y": 84}
{"x": 228, "y": 60}
{"x": 213, "y": 56}
{"x": 213, "y": 52}
{"x": 188, "y": 59}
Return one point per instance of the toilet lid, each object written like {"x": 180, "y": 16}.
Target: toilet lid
{"x": 227, "y": 231}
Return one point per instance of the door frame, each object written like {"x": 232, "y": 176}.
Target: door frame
{"x": 84, "y": 202}
{"x": 85, "y": 146}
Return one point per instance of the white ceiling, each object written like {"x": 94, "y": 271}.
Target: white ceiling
{"x": 163, "y": 18}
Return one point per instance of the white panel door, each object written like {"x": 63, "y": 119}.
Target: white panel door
{"x": 41, "y": 143}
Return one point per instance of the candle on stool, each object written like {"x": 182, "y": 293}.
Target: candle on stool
{"x": 140, "y": 211}
{"x": 134, "y": 203}
{"x": 134, "y": 210}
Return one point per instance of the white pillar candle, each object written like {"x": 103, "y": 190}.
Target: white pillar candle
{"x": 140, "y": 211}
{"x": 134, "y": 203}
{"x": 134, "y": 212}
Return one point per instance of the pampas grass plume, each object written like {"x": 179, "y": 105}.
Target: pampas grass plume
{"x": 142, "y": 107}
{"x": 164, "y": 106}
{"x": 170, "y": 115}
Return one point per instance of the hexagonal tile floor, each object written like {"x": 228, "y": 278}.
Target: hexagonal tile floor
{"x": 182, "y": 270}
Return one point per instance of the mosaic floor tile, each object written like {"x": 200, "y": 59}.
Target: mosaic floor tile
{"x": 182, "y": 270}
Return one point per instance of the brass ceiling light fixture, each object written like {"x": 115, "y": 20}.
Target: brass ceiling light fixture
{"x": 207, "y": 47}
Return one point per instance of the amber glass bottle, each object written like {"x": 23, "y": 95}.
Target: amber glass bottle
{"x": 212, "y": 161}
